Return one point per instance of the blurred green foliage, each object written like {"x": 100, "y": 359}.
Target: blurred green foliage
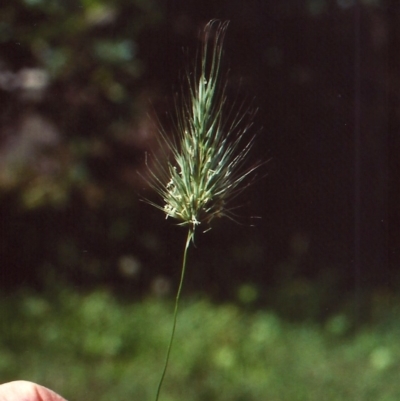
{"x": 92, "y": 347}
{"x": 73, "y": 133}
{"x": 76, "y": 80}
{"x": 70, "y": 78}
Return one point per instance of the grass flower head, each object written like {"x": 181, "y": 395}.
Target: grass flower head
{"x": 207, "y": 166}
{"x": 207, "y": 161}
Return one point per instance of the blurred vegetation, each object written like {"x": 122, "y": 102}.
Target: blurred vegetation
{"x": 83, "y": 85}
{"x": 72, "y": 136}
{"x": 90, "y": 346}
{"x": 302, "y": 306}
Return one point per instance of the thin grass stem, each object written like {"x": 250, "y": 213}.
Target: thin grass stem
{"x": 177, "y": 298}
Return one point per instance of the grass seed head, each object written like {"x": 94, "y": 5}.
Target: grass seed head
{"x": 206, "y": 167}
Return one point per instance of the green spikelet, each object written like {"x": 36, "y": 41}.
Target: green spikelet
{"x": 207, "y": 166}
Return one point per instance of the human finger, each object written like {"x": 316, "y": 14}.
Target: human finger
{"x": 22, "y": 390}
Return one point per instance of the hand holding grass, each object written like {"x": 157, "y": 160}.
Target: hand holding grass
{"x": 207, "y": 168}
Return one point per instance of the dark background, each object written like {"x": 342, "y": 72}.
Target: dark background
{"x": 82, "y": 88}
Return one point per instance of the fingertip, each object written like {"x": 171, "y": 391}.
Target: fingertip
{"x": 22, "y": 390}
